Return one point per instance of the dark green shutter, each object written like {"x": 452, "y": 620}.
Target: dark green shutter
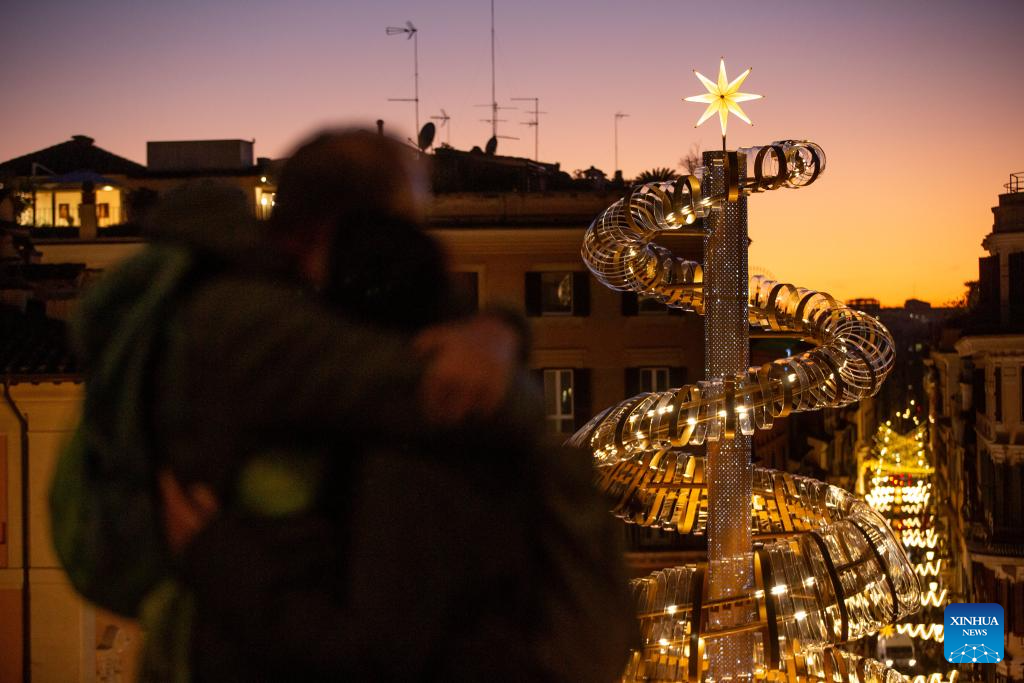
{"x": 630, "y": 304}
{"x": 581, "y": 396}
{"x": 632, "y": 382}
{"x": 533, "y": 297}
{"x": 581, "y": 293}
{"x": 1016, "y": 292}
{"x": 988, "y": 283}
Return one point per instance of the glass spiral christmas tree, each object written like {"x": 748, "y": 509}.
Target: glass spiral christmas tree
{"x": 795, "y": 567}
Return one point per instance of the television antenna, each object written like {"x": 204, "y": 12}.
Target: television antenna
{"x": 535, "y": 123}
{"x": 412, "y": 33}
{"x": 494, "y": 120}
{"x": 444, "y": 119}
{"x": 618, "y": 115}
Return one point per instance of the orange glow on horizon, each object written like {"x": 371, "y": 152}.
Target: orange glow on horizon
{"x": 890, "y": 91}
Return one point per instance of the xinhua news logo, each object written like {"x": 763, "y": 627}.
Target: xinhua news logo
{"x": 973, "y": 633}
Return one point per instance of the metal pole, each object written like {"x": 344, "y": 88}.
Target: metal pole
{"x": 729, "y": 472}
{"x": 616, "y": 145}
{"x": 494, "y": 97}
{"x": 535, "y": 122}
{"x": 536, "y": 129}
{"x": 416, "y": 76}
{"x": 618, "y": 115}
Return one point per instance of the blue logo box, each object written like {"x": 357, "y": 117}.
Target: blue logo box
{"x": 973, "y": 633}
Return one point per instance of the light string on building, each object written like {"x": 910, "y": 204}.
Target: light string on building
{"x": 899, "y": 487}
{"x": 826, "y": 567}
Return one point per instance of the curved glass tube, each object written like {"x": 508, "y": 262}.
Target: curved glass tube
{"x": 827, "y": 567}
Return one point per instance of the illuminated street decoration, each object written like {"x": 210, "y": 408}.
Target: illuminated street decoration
{"x": 812, "y": 566}
{"x": 922, "y": 631}
{"x": 827, "y": 568}
{"x": 899, "y": 487}
{"x": 855, "y": 352}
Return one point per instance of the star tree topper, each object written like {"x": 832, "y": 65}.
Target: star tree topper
{"x": 723, "y": 97}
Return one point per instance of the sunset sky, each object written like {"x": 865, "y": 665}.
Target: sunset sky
{"x": 918, "y": 104}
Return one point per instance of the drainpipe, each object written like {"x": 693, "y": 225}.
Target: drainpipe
{"x": 26, "y": 603}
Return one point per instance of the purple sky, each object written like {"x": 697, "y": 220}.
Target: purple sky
{"x": 918, "y": 104}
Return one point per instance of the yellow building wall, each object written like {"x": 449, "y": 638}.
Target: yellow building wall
{"x": 605, "y": 341}
{"x": 67, "y": 644}
{"x": 10, "y": 578}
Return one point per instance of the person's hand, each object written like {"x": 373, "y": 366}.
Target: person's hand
{"x": 469, "y": 367}
{"x": 186, "y": 512}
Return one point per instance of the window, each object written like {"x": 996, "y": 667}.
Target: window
{"x": 999, "y": 393}
{"x": 559, "y": 402}
{"x": 557, "y": 293}
{"x": 1015, "y": 262}
{"x": 566, "y": 397}
{"x": 654, "y": 379}
{"x": 466, "y": 289}
{"x": 64, "y": 213}
{"x": 978, "y": 390}
{"x": 644, "y": 304}
{"x": 103, "y": 211}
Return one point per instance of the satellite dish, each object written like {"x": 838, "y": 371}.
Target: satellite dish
{"x": 492, "y": 146}
{"x": 426, "y": 137}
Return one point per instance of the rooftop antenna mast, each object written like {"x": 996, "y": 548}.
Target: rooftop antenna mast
{"x": 535, "y": 123}
{"x": 412, "y": 33}
{"x": 618, "y": 115}
{"x": 494, "y": 98}
{"x": 444, "y": 119}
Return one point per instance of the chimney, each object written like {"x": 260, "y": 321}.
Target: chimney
{"x": 380, "y": 126}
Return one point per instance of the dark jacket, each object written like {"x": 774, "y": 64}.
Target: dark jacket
{"x": 355, "y": 543}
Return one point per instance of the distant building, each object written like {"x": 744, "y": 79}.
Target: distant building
{"x": 976, "y": 406}
{"x": 867, "y": 305}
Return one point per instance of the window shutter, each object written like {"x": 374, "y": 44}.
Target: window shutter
{"x": 988, "y": 284}
{"x": 1016, "y": 292}
{"x": 581, "y": 396}
{"x": 533, "y": 294}
{"x": 676, "y": 377}
{"x": 630, "y": 304}
{"x": 632, "y": 382}
{"x": 581, "y": 293}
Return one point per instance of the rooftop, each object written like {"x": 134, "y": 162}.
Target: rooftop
{"x": 34, "y": 348}
{"x": 77, "y": 154}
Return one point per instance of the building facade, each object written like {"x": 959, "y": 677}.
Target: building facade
{"x": 975, "y": 385}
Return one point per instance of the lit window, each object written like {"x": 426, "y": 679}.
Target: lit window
{"x": 559, "y": 403}
{"x": 557, "y": 293}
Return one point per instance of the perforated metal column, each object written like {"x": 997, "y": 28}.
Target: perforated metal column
{"x": 726, "y": 352}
